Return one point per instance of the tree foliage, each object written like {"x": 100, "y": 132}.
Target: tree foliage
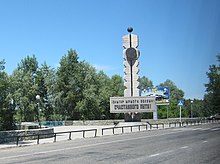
{"x": 6, "y": 105}
{"x": 175, "y": 92}
{"x": 25, "y": 88}
{"x": 212, "y": 98}
{"x": 145, "y": 82}
{"x": 175, "y": 95}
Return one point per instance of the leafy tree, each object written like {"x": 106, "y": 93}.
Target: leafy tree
{"x": 104, "y": 94}
{"x": 45, "y": 79}
{"x": 208, "y": 105}
{"x": 212, "y": 103}
{"x": 25, "y": 89}
{"x": 6, "y": 102}
{"x": 88, "y": 104}
{"x": 117, "y": 86}
{"x": 195, "y": 107}
{"x": 145, "y": 82}
{"x": 77, "y": 88}
{"x": 68, "y": 87}
{"x": 175, "y": 95}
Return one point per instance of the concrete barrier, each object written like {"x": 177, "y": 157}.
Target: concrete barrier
{"x": 11, "y": 136}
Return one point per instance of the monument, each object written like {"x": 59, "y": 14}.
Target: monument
{"x": 132, "y": 103}
{"x": 131, "y": 55}
{"x": 131, "y": 77}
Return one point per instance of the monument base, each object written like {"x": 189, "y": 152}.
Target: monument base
{"x": 132, "y": 117}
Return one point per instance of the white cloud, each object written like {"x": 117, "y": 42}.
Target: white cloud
{"x": 103, "y": 67}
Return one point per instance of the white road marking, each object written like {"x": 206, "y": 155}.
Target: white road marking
{"x": 169, "y": 151}
{"x": 204, "y": 141}
{"x": 215, "y": 129}
{"x": 197, "y": 129}
{"x": 153, "y": 155}
{"x": 206, "y": 129}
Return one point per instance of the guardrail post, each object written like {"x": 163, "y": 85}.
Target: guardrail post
{"x": 131, "y": 128}
{"x": 95, "y": 132}
{"x": 102, "y": 131}
{"x": 83, "y": 133}
{"x": 70, "y": 136}
{"x": 17, "y": 140}
{"x": 38, "y": 138}
{"x": 139, "y": 127}
{"x": 55, "y": 137}
{"x": 122, "y": 129}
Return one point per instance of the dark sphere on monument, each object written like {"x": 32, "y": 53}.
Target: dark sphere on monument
{"x": 130, "y": 29}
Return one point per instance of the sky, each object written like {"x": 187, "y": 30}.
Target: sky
{"x": 178, "y": 39}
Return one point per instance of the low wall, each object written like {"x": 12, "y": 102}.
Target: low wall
{"x": 112, "y": 122}
{"x": 11, "y": 136}
{"x": 92, "y": 122}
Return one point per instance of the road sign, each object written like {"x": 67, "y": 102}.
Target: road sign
{"x": 180, "y": 103}
{"x": 132, "y": 104}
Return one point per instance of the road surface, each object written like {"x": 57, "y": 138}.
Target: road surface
{"x": 195, "y": 144}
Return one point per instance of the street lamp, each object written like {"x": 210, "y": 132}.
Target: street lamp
{"x": 38, "y": 109}
{"x": 11, "y": 111}
{"x": 191, "y": 108}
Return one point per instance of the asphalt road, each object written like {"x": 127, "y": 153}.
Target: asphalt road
{"x": 194, "y": 144}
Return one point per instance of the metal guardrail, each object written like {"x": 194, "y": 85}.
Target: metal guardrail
{"x": 157, "y": 125}
{"x": 191, "y": 122}
{"x": 76, "y": 131}
{"x": 152, "y": 125}
{"x": 122, "y": 128}
{"x": 53, "y": 135}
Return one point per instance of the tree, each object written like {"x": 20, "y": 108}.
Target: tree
{"x": 117, "y": 86}
{"x": 88, "y": 103}
{"x": 45, "y": 80}
{"x": 105, "y": 92}
{"x": 24, "y": 89}
{"x": 68, "y": 85}
{"x": 175, "y": 95}
{"x": 194, "y": 107}
{"x": 6, "y": 102}
{"x": 77, "y": 89}
{"x": 145, "y": 82}
{"x": 211, "y": 99}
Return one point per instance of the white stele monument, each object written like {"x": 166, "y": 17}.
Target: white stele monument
{"x": 132, "y": 103}
{"x": 131, "y": 77}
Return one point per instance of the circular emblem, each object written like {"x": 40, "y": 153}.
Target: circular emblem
{"x": 131, "y": 54}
